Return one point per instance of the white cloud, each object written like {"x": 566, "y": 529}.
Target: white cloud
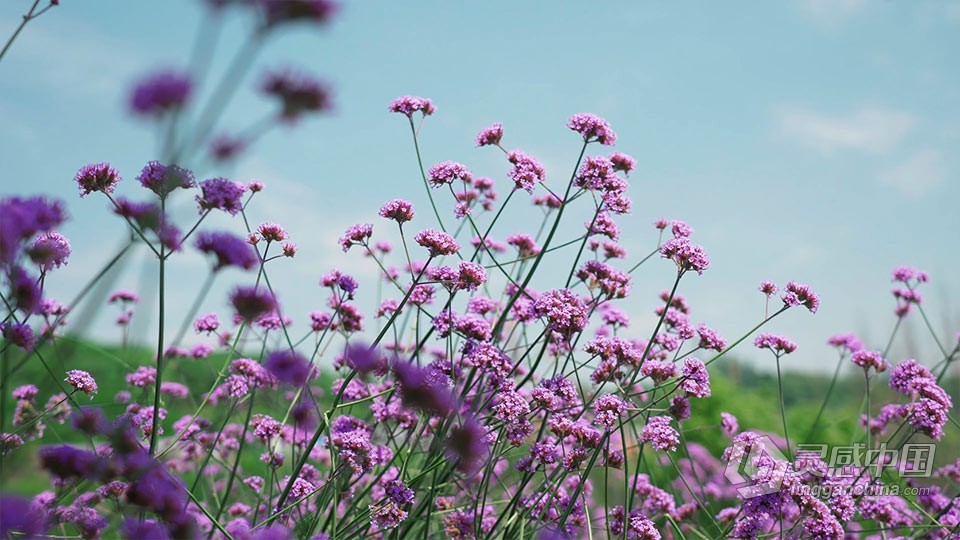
{"x": 918, "y": 175}
{"x": 866, "y": 130}
{"x": 831, "y": 12}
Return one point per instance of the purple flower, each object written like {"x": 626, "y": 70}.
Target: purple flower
{"x": 19, "y": 518}
{"x": 398, "y": 210}
{"x": 660, "y": 434}
{"x": 686, "y": 255}
{"x": 710, "y": 339}
{"x": 228, "y": 249}
{"x": 596, "y": 173}
{"x": 162, "y": 179}
{"x": 363, "y": 358}
{"x": 25, "y": 291}
{"x": 565, "y": 312}
{"x": 410, "y": 104}
{"x": 21, "y": 219}
{"x": 423, "y": 388}
{"x": 848, "y": 342}
{"x": 355, "y": 234}
{"x": 696, "y": 379}
{"x": 798, "y": 294}
{"x": 386, "y": 516}
{"x": 437, "y": 243}
{"x": 869, "y": 359}
{"x": 592, "y": 128}
{"x": 467, "y": 444}
{"x": 135, "y": 529}
{"x": 82, "y": 381}
{"x": 298, "y": 93}
{"x": 123, "y": 296}
{"x": 50, "y": 250}
{"x": 67, "y": 462}
{"x": 19, "y": 334}
{"x": 90, "y": 421}
{"x": 251, "y": 302}
{"x": 289, "y": 367}
{"x": 608, "y": 409}
{"x": 611, "y": 282}
{"x": 729, "y": 424}
{"x": 679, "y": 408}
{"x": 399, "y": 493}
{"x": 906, "y": 274}
{"x": 490, "y": 135}
{"x": 768, "y": 288}
{"x": 221, "y": 194}
{"x": 526, "y": 171}
{"x": 778, "y": 344}
{"x": 622, "y": 162}
{"x": 907, "y": 375}
{"x": 97, "y": 177}
{"x": 160, "y": 92}
{"x": 446, "y": 172}
{"x": 226, "y": 147}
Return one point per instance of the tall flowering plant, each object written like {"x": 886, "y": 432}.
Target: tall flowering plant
{"x": 473, "y": 406}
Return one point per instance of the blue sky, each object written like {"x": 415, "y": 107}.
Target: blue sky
{"x": 805, "y": 140}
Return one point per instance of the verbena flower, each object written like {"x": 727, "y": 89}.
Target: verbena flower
{"x": 526, "y": 171}
{"x": 398, "y": 210}
{"x": 775, "y": 343}
{"x": 446, "y": 172}
{"x": 410, "y": 104}
{"x": 162, "y": 179}
{"x": 356, "y": 234}
{"x": 622, "y": 162}
{"x": 437, "y": 243}
{"x": 228, "y": 250}
{"x": 686, "y": 255}
{"x": 289, "y": 367}
{"x": 423, "y": 388}
{"x": 97, "y": 177}
{"x": 564, "y": 311}
{"x": 796, "y": 294}
{"x": 251, "y": 302}
{"x": 592, "y": 128}
{"x": 19, "y": 334}
{"x": 221, "y": 194}
{"x": 50, "y": 250}
{"x": 160, "y": 92}
{"x": 660, "y": 434}
{"x": 298, "y": 94}
{"x": 869, "y": 359}
{"x": 82, "y": 381}
{"x": 490, "y": 136}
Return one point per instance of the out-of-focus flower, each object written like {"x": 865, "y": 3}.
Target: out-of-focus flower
{"x": 160, "y": 92}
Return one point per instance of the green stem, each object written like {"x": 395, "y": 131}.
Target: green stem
{"x": 783, "y": 412}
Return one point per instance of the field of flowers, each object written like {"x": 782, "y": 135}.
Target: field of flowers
{"x": 469, "y": 404}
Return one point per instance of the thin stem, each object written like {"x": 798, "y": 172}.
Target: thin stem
{"x": 423, "y": 174}
{"x": 783, "y": 412}
{"x": 26, "y": 18}
{"x": 160, "y": 327}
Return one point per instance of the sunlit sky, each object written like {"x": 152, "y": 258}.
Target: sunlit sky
{"x": 808, "y": 140}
